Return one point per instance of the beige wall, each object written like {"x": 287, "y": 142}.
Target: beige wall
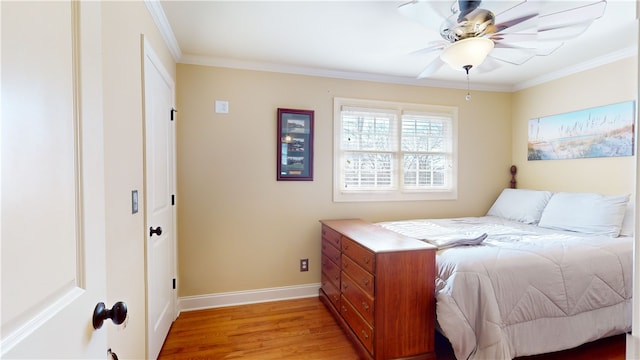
{"x": 608, "y": 84}
{"x": 240, "y": 229}
{"x": 123, "y": 22}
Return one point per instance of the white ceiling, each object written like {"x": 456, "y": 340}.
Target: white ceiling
{"x": 368, "y": 40}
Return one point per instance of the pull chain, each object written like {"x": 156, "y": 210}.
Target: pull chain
{"x": 466, "y": 68}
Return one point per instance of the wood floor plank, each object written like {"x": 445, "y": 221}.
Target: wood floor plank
{"x": 303, "y": 329}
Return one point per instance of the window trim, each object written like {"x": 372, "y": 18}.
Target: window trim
{"x": 392, "y": 195}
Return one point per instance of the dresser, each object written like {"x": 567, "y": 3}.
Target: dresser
{"x": 379, "y": 285}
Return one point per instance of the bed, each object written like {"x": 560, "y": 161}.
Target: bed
{"x": 541, "y": 272}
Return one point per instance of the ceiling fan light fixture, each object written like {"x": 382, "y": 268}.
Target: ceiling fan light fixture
{"x": 470, "y": 51}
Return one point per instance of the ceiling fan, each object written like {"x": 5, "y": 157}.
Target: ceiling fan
{"x": 485, "y": 34}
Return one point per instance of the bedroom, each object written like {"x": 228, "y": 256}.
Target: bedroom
{"x": 219, "y": 255}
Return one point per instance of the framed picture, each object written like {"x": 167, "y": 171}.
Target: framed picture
{"x": 295, "y": 144}
{"x": 602, "y": 131}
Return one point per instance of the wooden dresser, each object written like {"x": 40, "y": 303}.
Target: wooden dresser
{"x": 379, "y": 285}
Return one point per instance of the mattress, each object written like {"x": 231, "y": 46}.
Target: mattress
{"x": 524, "y": 289}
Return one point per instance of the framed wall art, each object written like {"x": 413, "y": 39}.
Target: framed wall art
{"x": 602, "y": 131}
{"x": 295, "y": 145}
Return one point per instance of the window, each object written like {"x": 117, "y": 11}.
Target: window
{"x": 387, "y": 151}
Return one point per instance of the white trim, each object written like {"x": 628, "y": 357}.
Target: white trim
{"x": 347, "y": 75}
{"x": 162, "y": 23}
{"x": 199, "y": 302}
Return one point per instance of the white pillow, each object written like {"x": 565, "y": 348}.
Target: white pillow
{"x": 585, "y": 212}
{"x": 628, "y": 224}
{"x": 521, "y": 205}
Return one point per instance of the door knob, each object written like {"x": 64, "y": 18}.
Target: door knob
{"x": 117, "y": 314}
{"x": 157, "y": 231}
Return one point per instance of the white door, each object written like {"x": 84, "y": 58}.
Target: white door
{"x": 160, "y": 170}
{"x": 53, "y": 265}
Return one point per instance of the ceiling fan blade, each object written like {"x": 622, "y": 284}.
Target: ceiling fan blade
{"x": 564, "y": 32}
{"x": 539, "y": 48}
{"x": 427, "y": 13}
{"x": 489, "y": 64}
{"x": 513, "y": 55}
{"x": 431, "y": 47}
{"x": 431, "y": 68}
{"x": 520, "y": 16}
{"x": 513, "y": 22}
{"x": 514, "y": 37}
{"x": 572, "y": 16}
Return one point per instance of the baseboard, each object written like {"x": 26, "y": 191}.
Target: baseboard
{"x": 189, "y": 303}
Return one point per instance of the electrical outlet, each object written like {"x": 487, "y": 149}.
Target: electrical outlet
{"x": 304, "y": 264}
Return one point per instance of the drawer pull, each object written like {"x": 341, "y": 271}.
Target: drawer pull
{"x": 365, "y": 306}
{"x": 345, "y": 286}
{"x": 336, "y": 277}
{"x": 365, "y": 334}
{"x": 346, "y": 246}
{"x": 366, "y": 260}
{"x": 346, "y": 265}
{"x": 336, "y": 258}
{"x": 365, "y": 282}
{"x": 335, "y": 297}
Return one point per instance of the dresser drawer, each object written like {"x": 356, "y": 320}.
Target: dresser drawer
{"x": 331, "y": 270}
{"x": 360, "y": 300}
{"x": 358, "y": 253}
{"x": 363, "y": 331}
{"x": 363, "y": 278}
{"x": 332, "y": 252}
{"x": 332, "y": 291}
{"x": 331, "y": 236}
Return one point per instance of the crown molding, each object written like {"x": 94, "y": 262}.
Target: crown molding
{"x": 162, "y": 23}
{"x": 347, "y": 75}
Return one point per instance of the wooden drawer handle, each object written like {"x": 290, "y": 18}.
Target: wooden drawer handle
{"x": 365, "y": 282}
{"x": 336, "y": 277}
{"x": 345, "y": 286}
{"x": 346, "y": 246}
{"x": 346, "y": 265}
{"x": 366, "y": 260}
{"x": 335, "y": 297}
{"x": 365, "y": 306}
{"x": 336, "y": 258}
{"x": 365, "y": 334}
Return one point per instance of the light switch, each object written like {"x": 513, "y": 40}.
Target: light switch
{"x": 222, "y": 107}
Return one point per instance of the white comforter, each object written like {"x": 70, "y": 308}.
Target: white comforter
{"x": 525, "y": 290}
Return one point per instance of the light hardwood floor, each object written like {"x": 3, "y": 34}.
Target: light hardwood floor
{"x": 302, "y": 329}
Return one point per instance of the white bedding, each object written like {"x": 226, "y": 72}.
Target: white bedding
{"x": 525, "y": 290}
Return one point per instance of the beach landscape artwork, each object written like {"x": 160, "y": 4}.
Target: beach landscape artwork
{"x": 597, "y": 132}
